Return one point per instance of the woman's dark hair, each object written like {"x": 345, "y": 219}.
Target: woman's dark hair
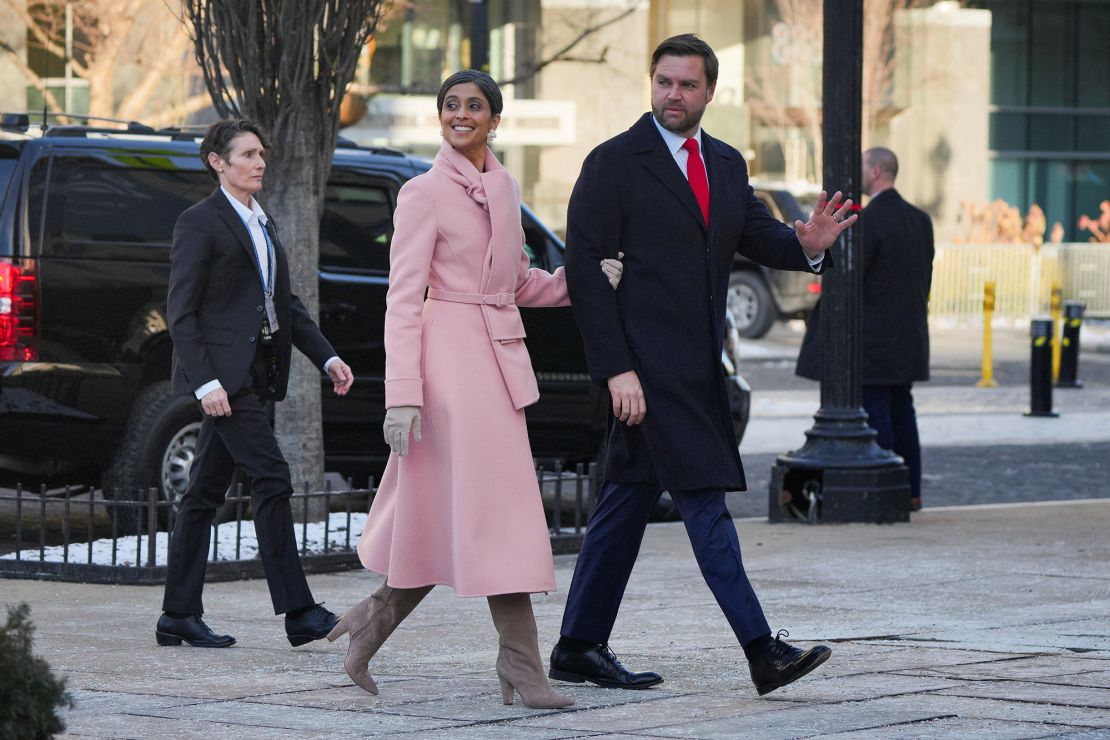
{"x": 219, "y": 136}
{"x": 484, "y": 82}
{"x": 687, "y": 45}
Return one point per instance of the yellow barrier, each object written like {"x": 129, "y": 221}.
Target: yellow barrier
{"x": 1023, "y": 277}
{"x": 1054, "y": 309}
{"x": 987, "y": 379}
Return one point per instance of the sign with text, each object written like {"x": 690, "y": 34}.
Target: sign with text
{"x": 400, "y": 120}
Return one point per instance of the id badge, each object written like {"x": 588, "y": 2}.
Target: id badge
{"x": 271, "y": 313}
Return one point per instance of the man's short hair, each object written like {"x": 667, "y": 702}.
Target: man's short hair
{"x": 884, "y": 159}
{"x": 219, "y": 136}
{"x": 687, "y": 45}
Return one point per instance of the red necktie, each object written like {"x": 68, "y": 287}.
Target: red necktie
{"x": 695, "y": 173}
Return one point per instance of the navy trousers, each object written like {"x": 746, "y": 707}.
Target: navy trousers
{"x": 891, "y": 414}
{"x": 612, "y": 543}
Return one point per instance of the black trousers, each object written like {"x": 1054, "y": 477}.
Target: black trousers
{"x": 612, "y": 542}
{"x": 891, "y": 414}
{"x": 245, "y": 438}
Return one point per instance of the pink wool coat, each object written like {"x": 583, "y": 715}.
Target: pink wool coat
{"x": 463, "y": 508}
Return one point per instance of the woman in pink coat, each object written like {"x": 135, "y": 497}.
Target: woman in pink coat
{"x": 460, "y": 506}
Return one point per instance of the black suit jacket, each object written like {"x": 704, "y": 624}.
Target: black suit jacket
{"x": 215, "y": 305}
{"x": 897, "y": 269}
{"x": 666, "y": 321}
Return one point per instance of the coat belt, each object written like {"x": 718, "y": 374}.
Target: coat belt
{"x": 490, "y": 299}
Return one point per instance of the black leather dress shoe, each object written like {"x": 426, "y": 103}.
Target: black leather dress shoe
{"x": 783, "y": 663}
{"x": 191, "y": 629}
{"x": 598, "y": 665}
{"x": 315, "y": 623}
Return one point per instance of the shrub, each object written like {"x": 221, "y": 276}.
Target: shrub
{"x": 29, "y": 692}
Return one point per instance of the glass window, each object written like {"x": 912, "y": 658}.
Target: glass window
{"x": 91, "y": 201}
{"x": 1092, "y": 186}
{"x": 357, "y": 225}
{"x": 1094, "y": 55}
{"x": 1053, "y": 71}
{"x": 1008, "y": 180}
{"x": 1009, "y": 55}
{"x": 1051, "y": 133}
{"x": 8, "y": 156}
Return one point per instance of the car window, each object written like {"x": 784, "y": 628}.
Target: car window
{"x": 357, "y": 225}
{"x": 91, "y": 201}
{"x": 8, "y": 155}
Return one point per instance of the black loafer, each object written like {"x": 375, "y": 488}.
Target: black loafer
{"x": 600, "y": 666}
{"x": 314, "y": 624}
{"x": 191, "y": 629}
{"x": 782, "y": 663}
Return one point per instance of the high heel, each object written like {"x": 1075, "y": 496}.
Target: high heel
{"x": 519, "y": 666}
{"x": 369, "y": 623}
{"x": 506, "y": 690}
{"x": 339, "y": 629}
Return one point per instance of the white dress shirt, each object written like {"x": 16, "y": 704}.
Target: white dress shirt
{"x": 675, "y": 144}
{"x": 254, "y": 218}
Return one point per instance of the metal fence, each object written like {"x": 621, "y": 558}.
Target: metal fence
{"x": 76, "y": 535}
{"x": 1023, "y": 275}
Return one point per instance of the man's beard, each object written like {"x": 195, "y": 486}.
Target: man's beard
{"x": 686, "y": 123}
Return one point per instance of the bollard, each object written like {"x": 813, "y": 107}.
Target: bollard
{"x": 1040, "y": 369}
{"x": 1069, "y": 350}
{"x": 987, "y": 379}
{"x": 1054, "y": 306}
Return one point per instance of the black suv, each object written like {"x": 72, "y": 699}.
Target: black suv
{"x": 86, "y": 220}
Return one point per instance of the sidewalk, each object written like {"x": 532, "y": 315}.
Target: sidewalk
{"x": 969, "y": 622}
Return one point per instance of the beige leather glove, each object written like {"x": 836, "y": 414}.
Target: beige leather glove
{"x": 399, "y": 421}
{"x": 613, "y": 269}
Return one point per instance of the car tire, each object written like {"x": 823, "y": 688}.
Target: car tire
{"x": 750, "y": 303}
{"x": 158, "y": 449}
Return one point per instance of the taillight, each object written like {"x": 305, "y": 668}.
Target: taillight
{"x": 18, "y": 314}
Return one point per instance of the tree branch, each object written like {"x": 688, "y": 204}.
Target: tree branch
{"x": 33, "y": 78}
{"x": 562, "y": 54}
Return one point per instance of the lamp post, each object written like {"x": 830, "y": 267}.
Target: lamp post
{"x": 840, "y": 474}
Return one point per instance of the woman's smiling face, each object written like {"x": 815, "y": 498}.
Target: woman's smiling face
{"x": 466, "y": 118}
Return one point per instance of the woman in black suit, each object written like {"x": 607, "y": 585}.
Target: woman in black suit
{"x": 234, "y": 321}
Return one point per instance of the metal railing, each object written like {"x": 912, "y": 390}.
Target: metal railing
{"x": 1023, "y": 275}
{"x": 76, "y": 535}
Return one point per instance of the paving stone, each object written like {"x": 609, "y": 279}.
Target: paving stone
{"x": 958, "y": 729}
{"x": 1000, "y": 709}
{"x": 341, "y": 723}
{"x": 1038, "y": 693}
{"x": 654, "y": 713}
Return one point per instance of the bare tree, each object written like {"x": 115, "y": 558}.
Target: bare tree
{"x": 109, "y": 37}
{"x": 796, "y": 46}
{"x": 285, "y": 64}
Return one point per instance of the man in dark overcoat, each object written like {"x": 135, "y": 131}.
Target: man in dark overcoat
{"x": 678, "y": 204}
{"x": 234, "y": 321}
{"x": 897, "y": 269}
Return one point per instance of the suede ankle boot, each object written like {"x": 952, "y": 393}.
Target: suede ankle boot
{"x": 370, "y": 622}
{"x": 518, "y": 660}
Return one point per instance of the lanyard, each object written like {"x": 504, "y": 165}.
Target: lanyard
{"x": 267, "y": 280}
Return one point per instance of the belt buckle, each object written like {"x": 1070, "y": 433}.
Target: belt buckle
{"x": 504, "y": 299}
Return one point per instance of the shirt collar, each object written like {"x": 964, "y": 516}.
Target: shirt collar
{"x": 675, "y": 141}
{"x": 244, "y": 212}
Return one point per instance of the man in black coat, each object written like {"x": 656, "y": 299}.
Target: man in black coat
{"x": 897, "y": 268}
{"x": 234, "y": 322}
{"x": 678, "y": 204}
